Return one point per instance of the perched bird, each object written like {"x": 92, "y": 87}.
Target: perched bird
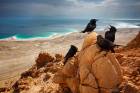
{"x": 110, "y": 35}
{"x": 72, "y": 51}
{"x": 90, "y": 26}
{"x": 105, "y": 44}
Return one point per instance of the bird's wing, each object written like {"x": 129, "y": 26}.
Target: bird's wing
{"x": 109, "y": 36}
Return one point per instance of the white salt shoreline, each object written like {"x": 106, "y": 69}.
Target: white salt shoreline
{"x": 55, "y": 35}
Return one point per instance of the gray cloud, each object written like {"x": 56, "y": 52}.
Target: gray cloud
{"x": 50, "y": 2}
{"x": 95, "y": 1}
{"x": 128, "y": 1}
{"x": 71, "y": 8}
{"x": 31, "y": 7}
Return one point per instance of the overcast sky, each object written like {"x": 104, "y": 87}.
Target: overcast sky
{"x": 71, "y": 8}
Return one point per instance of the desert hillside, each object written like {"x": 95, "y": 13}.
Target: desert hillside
{"x": 38, "y": 79}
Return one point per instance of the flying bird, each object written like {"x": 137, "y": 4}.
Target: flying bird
{"x": 72, "y": 51}
{"x": 90, "y": 26}
{"x": 110, "y": 35}
{"x": 105, "y": 44}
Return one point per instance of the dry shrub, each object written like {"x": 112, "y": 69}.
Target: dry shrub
{"x": 43, "y": 58}
{"x": 58, "y": 57}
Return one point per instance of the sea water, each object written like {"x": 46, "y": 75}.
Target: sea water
{"x": 25, "y": 28}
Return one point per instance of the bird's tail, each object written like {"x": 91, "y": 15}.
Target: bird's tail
{"x": 116, "y": 45}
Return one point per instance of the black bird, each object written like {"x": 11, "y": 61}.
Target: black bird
{"x": 72, "y": 51}
{"x": 110, "y": 35}
{"x": 90, "y": 26}
{"x": 105, "y": 44}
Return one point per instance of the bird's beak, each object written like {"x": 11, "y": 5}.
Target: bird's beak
{"x": 110, "y": 26}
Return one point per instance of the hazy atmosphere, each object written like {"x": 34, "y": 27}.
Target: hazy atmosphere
{"x": 71, "y": 8}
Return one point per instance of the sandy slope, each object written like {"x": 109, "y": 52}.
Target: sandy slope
{"x": 18, "y": 56}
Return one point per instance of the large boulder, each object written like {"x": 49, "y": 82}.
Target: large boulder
{"x": 68, "y": 75}
{"x": 91, "y": 70}
{"x": 89, "y": 40}
{"x": 98, "y": 67}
